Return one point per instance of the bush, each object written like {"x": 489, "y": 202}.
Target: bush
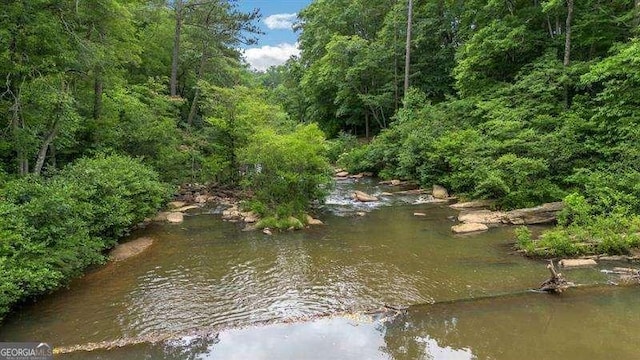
{"x": 342, "y": 144}
{"x": 119, "y": 191}
{"x": 612, "y": 235}
{"x": 286, "y": 171}
{"x": 50, "y": 230}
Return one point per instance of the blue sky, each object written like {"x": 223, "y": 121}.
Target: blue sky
{"x": 279, "y": 41}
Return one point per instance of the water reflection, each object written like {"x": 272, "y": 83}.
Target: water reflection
{"x": 595, "y": 323}
{"x": 582, "y": 324}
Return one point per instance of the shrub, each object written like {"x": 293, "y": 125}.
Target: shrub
{"x": 342, "y": 144}
{"x": 52, "y": 229}
{"x": 119, "y": 191}
{"x": 287, "y": 171}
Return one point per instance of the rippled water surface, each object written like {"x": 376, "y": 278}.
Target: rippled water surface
{"x": 209, "y": 274}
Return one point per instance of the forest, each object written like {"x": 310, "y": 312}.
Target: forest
{"x": 110, "y": 105}
{"x": 523, "y": 102}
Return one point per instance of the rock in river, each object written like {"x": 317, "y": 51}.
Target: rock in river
{"x": 130, "y": 249}
{"x": 175, "y": 217}
{"x": 481, "y": 217}
{"x": 469, "y": 228}
{"x": 472, "y": 204}
{"x": 572, "y": 263}
{"x": 439, "y": 192}
{"x": 177, "y": 204}
{"x": 543, "y": 214}
{"x": 363, "y": 197}
{"x": 312, "y": 221}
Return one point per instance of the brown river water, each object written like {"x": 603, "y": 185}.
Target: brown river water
{"x": 207, "y": 290}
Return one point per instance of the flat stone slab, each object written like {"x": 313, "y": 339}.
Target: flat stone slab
{"x": 130, "y": 249}
{"x": 482, "y": 217}
{"x": 472, "y": 204}
{"x": 574, "y": 263}
{"x": 176, "y": 204}
{"x": 469, "y": 228}
{"x": 543, "y": 214}
{"x": 185, "y": 208}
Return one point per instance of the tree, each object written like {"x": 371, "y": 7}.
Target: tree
{"x": 407, "y": 64}
{"x": 214, "y": 28}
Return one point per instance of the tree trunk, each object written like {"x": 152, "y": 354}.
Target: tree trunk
{"x": 407, "y": 63}
{"x": 567, "y": 49}
{"x": 52, "y": 154}
{"x": 97, "y": 96}
{"x": 567, "y": 43}
{"x": 16, "y": 125}
{"x": 396, "y": 90}
{"x": 636, "y": 19}
{"x": 196, "y": 95}
{"x": 176, "y": 49}
{"x": 366, "y": 125}
{"x": 42, "y": 154}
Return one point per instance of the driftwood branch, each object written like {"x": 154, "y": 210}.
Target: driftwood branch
{"x": 556, "y": 283}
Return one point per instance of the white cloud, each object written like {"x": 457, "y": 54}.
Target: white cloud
{"x": 261, "y": 58}
{"x": 280, "y": 21}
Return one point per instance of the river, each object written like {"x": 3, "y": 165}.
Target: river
{"x": 206, "y": 289}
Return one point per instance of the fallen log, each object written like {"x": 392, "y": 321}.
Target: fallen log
{"x": 556, "y": 283}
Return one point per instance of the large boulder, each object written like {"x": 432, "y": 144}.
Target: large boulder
{"x": 469, "y": 228}
{"x": 439, "y": 192}
{"x": 175, "y": 217}
{"x": 543, "y": 214}
{"x": 130, "y": 249}
{"x": 342, "y": 174}
{"x": 363, "y": 197}
{"x": 481, "y": 217}
{"x": 232, "y": 214}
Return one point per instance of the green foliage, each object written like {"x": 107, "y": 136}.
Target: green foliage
{"x": 357, "y": 160}
{"x": 120, "y": 191}
{"x": 523, "y": 239}
{"x": 53, "y": 229}
{"x": 286, "y": 171}
{"x": 612, "y": 235}
{"x": 282, "y": 223}
{"x": 342, "y": 144}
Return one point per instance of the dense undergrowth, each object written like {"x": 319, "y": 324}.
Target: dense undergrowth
{"x": 54, "y": 228}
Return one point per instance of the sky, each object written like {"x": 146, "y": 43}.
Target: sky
{"x": 279, "y": 41}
